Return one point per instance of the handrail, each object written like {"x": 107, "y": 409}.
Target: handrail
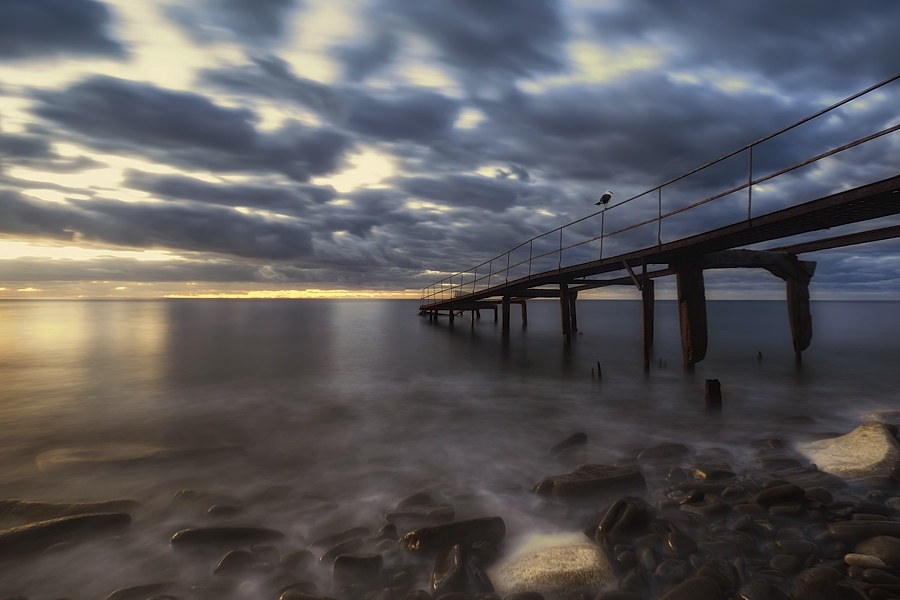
{"x": 438, "y": 290}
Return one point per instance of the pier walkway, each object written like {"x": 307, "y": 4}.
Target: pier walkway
{"x": 654, "y": 234}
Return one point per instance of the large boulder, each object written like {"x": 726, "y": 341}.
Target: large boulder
{"x": 867, "y": 451}
{"x": 464, "y": 533}
{"x": 556, "y": 572}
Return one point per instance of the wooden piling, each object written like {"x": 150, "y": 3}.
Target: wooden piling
{"x": 564, "y": 313}
{"x": 799, "y": 315}
{"x": 504, "y": 327}
{"x": 648, "y": 303}
{"x": 713, "y": 395}
{"x": 452, "y": 314}
{"x": 524, "y": 313}
{"x": 692, "y": 313}
{"x": 573, "y": 314}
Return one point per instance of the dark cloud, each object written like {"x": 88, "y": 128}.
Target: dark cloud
{"x": 295, "y": 199}
{"x": 362, "y": 60}
{"x": 188, "y": 129}
{"x": 416, "y": 115}
{"x": 804, "y": 43}
{"x": 41, "y": 28}
{"x": 24, "y": 146}
{"x": 499, "y": 40}
{"x": 251, "y": 21}
{"x": 272, "y": 77}
{"x": 147, "y": 225}
{"x": 494, "y": 195}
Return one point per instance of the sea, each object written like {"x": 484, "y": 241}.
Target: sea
{"x": 311, "y": 416}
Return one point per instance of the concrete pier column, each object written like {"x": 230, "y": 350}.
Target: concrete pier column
{"x": 692, "y": 313}
{"x": 648, "y": 302}
{"x": 564, "y": 313}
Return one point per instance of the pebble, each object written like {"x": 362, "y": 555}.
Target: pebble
{"x": 625, "y": 516}
{"x": 886, "y": 548}
{"x": 357, "y": 567}
{"x": 576, "y": 439}
{"x": 295, "y": 559}
{"x": 695, "y": 588}
{"x": 224, "y": 535}
{"x": 139, "y": 592}
{"x": 345, "y": 547}
{"x": 236, "y": 562}
{"x": 865, "y": 561}
{"x": 449, "y": 574}
{"x": 336, "y": 538}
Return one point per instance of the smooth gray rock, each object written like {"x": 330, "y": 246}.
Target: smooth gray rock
{"x": 39, "y": 511}
{"x": 867, "y": 451}
{"x": 555, "y": 573}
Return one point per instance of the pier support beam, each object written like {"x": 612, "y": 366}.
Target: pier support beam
{"x": 573, "y": 314}
{"x": 692, "y": 313}
{"x": 524, "y": 313}
{"x": 648, "y": 302}
{"x": 564, "y": 313}
{"x": 796, "y": 275}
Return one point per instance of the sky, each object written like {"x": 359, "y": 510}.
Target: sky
{"x": 303, "y": 148}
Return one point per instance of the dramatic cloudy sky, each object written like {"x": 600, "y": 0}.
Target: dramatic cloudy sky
{"x": 157, "y": 147}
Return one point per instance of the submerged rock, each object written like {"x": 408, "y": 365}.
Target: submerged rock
{"x": 38, "y": 536}
{"x": 578, "y": 438}
{"x": 39, "y": 511}
{"x": 590, "y": 480}
{"x": 202, "y": 536}
{"x": 867, "y": 451}
{"x": 555, "y": 573}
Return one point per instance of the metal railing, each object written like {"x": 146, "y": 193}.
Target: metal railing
{"x": 548, "y": 248}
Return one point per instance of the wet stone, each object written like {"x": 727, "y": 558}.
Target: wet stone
{"x": 41, "y": 535}
{"x": 762, "y": 591}
{"x": 590, "y": 480}
{"x": 708, "y": 507}
{"x": 555, "y": 572}
{"x": 626, "y": 516}
{"x": 138, "y": 592}
{"x": 720, "y": 571}
{"x": 879, "y": 576}
{"x": 357, "y": 567}
{"x": 695, "y": 588}
{"x": 478, "y": 580}
{"x": 295, "y": 559}
{"x": 665, "y": 450}
{"x": 853, "y": 531}
{"x": 431, "y": 539}
{"x": 625, "y": 560}
{"x": 679, "y": 545}
{"x": 673, "y": 570}
{"x": 576, "y": 439}
{"x": 449, "y": 574}
{"x": 213, "y": 536}
{"x": 786, "y": 563}
{"x": 787, "y": 492}
{"x": 236, "y": 562}
{"x": 886, "y": 548}
{"x": 223, "y": 510}
{"x": 387, "y": 532}
{"x": 730, "y": 543}
{"x": 864, "y": 561}
{"x": 333, "y": 539}
{"x": 714, "y": 470}
{"x": 524, "y": 596}
{"x": 345, "y": 547}
{"x": 618, "y": 595}
{"x": 417, "y": 595}
{"x": 482, "y": 554}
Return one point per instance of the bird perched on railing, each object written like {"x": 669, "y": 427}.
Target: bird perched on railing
{"x": 604, "y": 199}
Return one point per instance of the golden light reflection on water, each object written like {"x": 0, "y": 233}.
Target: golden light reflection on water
{"x": 75, "y": 358}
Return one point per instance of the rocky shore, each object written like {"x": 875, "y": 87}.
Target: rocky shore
{"x": 670, "y": 522}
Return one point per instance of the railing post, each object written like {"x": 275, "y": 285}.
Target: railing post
{"x": 490, "y": 272}
{"x": 530, "y": 254}
{"x": 659, "y": 216}
{"x": 602, "y": 226}
{"x": 559, "y": 265}
{"x": 474, "y": 278}
{"x": 508, "y": 254}
{"x": 749, "y": 183}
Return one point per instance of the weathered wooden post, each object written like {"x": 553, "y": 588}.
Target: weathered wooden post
{"x": 799, "y": 315}
{"x": 648, "y": 304}
{"x": 691, "y": 313}
{"x": 524, "y": 313}
{"x": 564, "y": 313}
{"x": 504, "y": 326}
{"x": 573, "y": 315}
{"x": 713, "y": 395}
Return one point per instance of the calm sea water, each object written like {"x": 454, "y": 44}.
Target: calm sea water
{"x": 277, "y": 403}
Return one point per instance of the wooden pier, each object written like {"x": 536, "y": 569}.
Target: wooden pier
{"x": 503, "y": 281}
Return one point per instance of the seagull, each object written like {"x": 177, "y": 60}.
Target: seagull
{"x": 604, "y": 199}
